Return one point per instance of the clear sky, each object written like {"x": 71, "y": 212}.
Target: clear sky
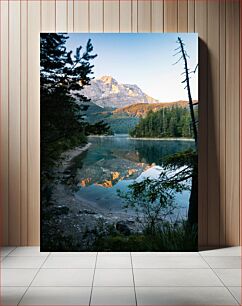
{"x": 144, "y": 59}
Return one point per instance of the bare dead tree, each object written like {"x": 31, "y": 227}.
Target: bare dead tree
{"x": 193, "y": 209}
{"x": 187, "y": 73}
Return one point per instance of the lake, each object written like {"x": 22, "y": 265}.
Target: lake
{"x": 114, "y": 162}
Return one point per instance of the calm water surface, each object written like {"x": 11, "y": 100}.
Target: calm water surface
{"x": 114, "y": 162}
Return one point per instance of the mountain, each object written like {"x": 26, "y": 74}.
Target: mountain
{"x": 107, "y": 92}
{"x": 141, "y": 109}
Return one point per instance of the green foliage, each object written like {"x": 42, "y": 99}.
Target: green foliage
{"x": 152, "y": 201}
{"x": 172, "y": 237}
{"x": 186, "y": 158}
{"x": 55, "y": 240}
{"x": 99, "y": 128}
{"x": 62, "y": 77}
{"x": 179, "y": 168}
{"x": 167, "y": 122}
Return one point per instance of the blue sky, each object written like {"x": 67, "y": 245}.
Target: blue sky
{"x": 145, "y": 59}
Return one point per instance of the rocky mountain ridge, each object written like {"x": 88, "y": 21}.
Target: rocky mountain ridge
{"x": 107, "y": 92}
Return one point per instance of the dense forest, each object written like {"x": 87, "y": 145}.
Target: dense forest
{"x": 167, "y": 122}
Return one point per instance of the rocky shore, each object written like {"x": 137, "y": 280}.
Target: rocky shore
{"x": 68, "y": 217}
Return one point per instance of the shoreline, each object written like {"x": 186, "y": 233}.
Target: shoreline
{"x": 74, "y": 215}
{"x": 63, "y": 193}
{"x": 71, "y": 215}
{"x": 141, "y": 138}
{"x": 67, "y": 156}
{"x": 162, "y": 139}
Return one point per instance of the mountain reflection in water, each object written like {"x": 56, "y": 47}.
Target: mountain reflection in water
{"x": 113, "y": 163}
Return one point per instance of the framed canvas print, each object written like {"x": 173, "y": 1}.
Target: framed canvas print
{"x": 119, "y": 133}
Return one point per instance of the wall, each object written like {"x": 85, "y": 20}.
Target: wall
{"x": 217, "y": 23}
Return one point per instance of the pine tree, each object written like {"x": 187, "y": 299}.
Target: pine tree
{"x": 166, "y": 122}
{"x": 62, "y": 77}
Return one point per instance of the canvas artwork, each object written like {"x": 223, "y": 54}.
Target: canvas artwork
{"x": 119, "y": 133}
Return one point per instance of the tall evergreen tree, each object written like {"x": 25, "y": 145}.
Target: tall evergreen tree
{"x": 62, "y": 77}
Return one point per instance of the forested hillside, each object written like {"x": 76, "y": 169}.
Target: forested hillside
{"x": 167, "y": 122}
{"x": 141, "y": 109}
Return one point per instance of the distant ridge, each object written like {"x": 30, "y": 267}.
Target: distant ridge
{"x": 106, "y": 92}
{"x": 141, "y": 109}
